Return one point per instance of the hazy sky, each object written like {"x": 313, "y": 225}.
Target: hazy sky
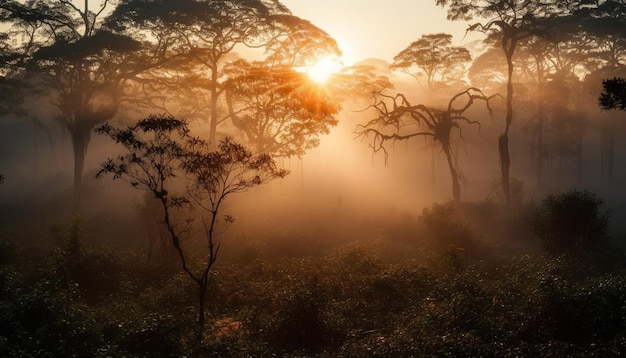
{"x": 377, "y": 28}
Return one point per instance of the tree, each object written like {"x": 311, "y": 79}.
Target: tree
{"x": 159, "y": 152}
{"x": 281, "y": 111}
{"x": 510, "y": 22}
{"x": 572, "y": 221}
{"x": 399, "y": 120}
{"x": 82, "y": 67}
{"x": 613, "y": 95}
{"x": 205, "y": 34}
{"x": 434, "y": 57}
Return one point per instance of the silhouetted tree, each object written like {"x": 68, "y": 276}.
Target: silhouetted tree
{"x": 397, "y": 119}
{"x": 434, "y": 58}
{"x": 613, "y": 95}
{"x": 509, "y": 22}
{"x": 67, "y": 55}
{"x": 599, "y": 37}
{"x": 159, "y": 152}
{"x": 281, "y": 111}
{"x": 205, "y": 35}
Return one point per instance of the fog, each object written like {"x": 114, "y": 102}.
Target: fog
{"x": 210, "y": 179}
{"x": 334, "y": 188}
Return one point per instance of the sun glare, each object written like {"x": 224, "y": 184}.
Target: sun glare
{"x": 324, "y": 68}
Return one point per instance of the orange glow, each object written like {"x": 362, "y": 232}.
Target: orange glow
{"x": 321, "y": 70}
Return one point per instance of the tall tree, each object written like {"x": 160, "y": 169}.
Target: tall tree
{"x": 206, "y": 34}
{"x": 434, "y": 57}
{"x": 281, "y": 111}
{"x": 510, "y": 22}
{"x": 602, "y": 27}
{"x": 397, "y": 120}
{"x": 67, "y": 55}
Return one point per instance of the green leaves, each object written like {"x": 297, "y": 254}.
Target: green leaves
{"x": 613, "y": 95}
{"x": 573, "y": 221}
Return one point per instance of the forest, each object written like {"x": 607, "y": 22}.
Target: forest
{"x": 208, "y": 178}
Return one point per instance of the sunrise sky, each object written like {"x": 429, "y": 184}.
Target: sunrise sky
{"x": 377, "y": 28}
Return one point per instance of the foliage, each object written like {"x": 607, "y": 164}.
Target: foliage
{"x": 201, "y": 37}
{"x": 65, "y": 54}
{"x": 508, "y": 23}
{"x": 613, "y": 95}
{"x": 280, "y": 110}
{"x": 572, "y": 221}
{"x": 450, "y": 232}
{"x": 159, "y": 149}
{"x": 354, "y": 302}
{"x": 434, "y": 56}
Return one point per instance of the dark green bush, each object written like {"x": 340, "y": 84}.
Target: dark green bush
{"x": 571, "y": 222}
{"x": 444, "y": 225}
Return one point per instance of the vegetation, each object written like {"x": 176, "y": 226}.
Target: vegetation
{"x": 159, "y": 150}
{"x": 396, "y": 297}
{"x": 571, "y": 222}
{"x": 197, "y": 100}
{"x": 614, "y": 94}
{"x": 434, "y": 58}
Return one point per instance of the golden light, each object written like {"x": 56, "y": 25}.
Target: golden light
{"x": 323, "y": 69}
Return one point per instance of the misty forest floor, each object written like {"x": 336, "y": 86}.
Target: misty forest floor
{"x": 379, "y": 298}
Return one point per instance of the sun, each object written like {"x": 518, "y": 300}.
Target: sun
{"x": 321, "y": 70}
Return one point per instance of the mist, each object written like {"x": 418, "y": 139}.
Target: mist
{"x": 172, "y": 187}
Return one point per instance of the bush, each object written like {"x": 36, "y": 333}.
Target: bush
{"x": 448, "y": 229}
{"x": 571, "y": 222}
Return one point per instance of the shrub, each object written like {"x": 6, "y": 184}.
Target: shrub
{"x": 444, "y": 225}
{"x": 573, "y": 221}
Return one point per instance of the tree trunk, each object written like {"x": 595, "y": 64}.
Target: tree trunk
{"x": 505, "y": 164}
{"x": 540, "y": 152}
{"x": 79, "y": 146}
{"x": 508, "y": 45}
{"x": 214, "y": 94}
{"x": 201, "y": 296}
{"x": 456, "y": 187}
{"x": 607, "y": 149}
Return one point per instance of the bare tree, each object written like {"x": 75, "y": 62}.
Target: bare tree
{"x": 399, "y": 120}
{"x": 160, "y": 151}
{"x": 509, "y": 22}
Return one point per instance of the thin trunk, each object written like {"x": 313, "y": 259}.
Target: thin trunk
{"x": 79, "y": 146}
{"x": 508, "y": 45}
{"x": 540, "y": 150}
{"x": 201, "y": 295}
{"x": 540, "y": 122}
{"x": 607, "y": 148}
{"x": 214, "y": 90}
{"x": 456, "y": 187}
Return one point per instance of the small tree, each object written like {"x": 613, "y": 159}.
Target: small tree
{"x": 397, "y": 119}
{"x": 161, "y": 151}
{"x": 571, "y": 222}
